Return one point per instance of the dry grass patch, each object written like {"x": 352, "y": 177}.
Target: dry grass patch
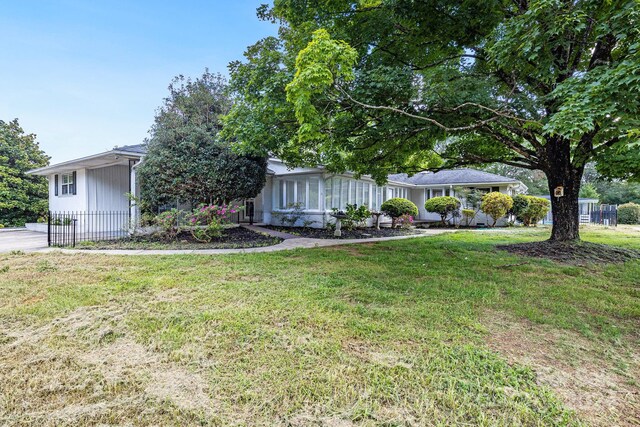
{"x": 601, "y": 381}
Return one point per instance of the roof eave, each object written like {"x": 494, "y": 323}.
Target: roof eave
{"x": 47, "y": 170}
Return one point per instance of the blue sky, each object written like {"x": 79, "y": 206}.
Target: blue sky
{"x": 86, "y": 76}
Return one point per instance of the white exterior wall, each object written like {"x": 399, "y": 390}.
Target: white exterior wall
{"x": 107, "y": 188}
{"x": 318, "y": 216}
{"x": 68, "y": 202}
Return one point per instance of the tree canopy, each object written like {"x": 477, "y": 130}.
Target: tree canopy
{"x": 23, "y": 198}
{"x": 187, "y": 161}
{"x": 400, "y": 86}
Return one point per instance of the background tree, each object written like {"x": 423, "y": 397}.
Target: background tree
{"x": 23, "y": 198}
{"x": 186, "y": 159}
{"x": 377, "y": 86}
{"x": 589, "y": 191}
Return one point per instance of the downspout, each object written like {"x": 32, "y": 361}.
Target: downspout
{"x": 133, "y": 210}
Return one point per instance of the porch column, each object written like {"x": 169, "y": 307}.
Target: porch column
{"x": 268, "y": 199}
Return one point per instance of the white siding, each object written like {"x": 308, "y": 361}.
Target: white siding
{"x": 68, "y": 202}
{"x": 107, "y": 188}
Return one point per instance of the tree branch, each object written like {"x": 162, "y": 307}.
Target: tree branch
{"x": 417, "y": 117}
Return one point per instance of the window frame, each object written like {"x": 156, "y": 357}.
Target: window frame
{"x": 299, "y": 185}
{"x": 67, "y": 188}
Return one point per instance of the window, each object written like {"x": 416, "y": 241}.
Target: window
{"x": 314, "y": 193}
{"x": 436, "y": 193}
{"x": 68, "y": 184}
{"x": 342, "y": 191}
{"x": 303, "y": 191}
{"x": 365, "y": 195}
{"x": 495, "y": 189}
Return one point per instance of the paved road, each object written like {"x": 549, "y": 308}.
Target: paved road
{"x": 22, "y": 240}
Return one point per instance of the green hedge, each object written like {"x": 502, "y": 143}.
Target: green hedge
{"x": 629, "y": 213}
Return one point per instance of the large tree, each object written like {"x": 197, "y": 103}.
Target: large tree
{"x": 23, "y": 198}
{"x": 187, "y": 161}
{"x": 382, "y": 86}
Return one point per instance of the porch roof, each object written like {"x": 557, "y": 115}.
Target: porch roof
{"x": 117, "y": 156}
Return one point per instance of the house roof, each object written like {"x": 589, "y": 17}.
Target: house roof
{"x": 452, "y": 176}
{"x": 138, "y": 148}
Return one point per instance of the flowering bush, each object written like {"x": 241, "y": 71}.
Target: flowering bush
{"x": 205, "y": 214}
{"x": 169, "y": 222}
{"x": 207, "y": 221}
{"x": 405, "y": 221}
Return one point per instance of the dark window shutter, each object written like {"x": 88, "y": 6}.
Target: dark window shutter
{"x": 55, "y": 184}
{"x": 75, "y": 185}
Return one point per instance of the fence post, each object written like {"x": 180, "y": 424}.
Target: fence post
{"x": 49, "y": 229}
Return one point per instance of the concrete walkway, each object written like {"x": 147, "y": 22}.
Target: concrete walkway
{"x": 291, "y": 242}
{"x": 21, "y": 239}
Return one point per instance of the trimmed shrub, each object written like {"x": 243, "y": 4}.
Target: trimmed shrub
{"x": 397, "y": 207}
{"x": 520, "y": 204}
{"x": 530, "y": 209}
{"x": 496, "y": 205}
{"x": 468, "y": 215}
{"x": 443, "y": 206}
{"x": 629, "y": 213}
{"x": 537, "y": 210}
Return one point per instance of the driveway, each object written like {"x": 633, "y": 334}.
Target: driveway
{"x": 22, "y": 240}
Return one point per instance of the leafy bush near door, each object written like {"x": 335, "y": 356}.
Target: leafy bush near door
{"x": 356, "y": 216}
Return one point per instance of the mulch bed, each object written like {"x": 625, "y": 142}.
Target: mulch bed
{"x": 364, "y": 233}
{"x": 232, "y": 238}
{"x": 576, "y": 253}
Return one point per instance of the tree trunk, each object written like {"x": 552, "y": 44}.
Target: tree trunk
{"x": 565, "y": 209}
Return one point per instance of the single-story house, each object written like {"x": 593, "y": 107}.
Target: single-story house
{"x": 101, "y": 182}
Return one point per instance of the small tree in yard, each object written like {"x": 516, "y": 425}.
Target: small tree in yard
{"x": 186, "y": 159}
{"x": 397, "y": 207}
{"x": 629, "y": 213}
{"x": 496, "y": 205}
{"x": 472, "y": 198}
{"x": 444, "y": 206}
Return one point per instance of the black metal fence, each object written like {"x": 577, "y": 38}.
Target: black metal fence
{"x": 605, "y": 215}
{"x": 66, "y": 229}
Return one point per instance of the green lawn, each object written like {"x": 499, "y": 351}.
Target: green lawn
{"x": 440, "y": 330}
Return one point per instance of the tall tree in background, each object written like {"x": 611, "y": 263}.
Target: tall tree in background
{"x": 23, "y": 198}
{"x": 375, "y": 87}
{"x": 186, "y": 159}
